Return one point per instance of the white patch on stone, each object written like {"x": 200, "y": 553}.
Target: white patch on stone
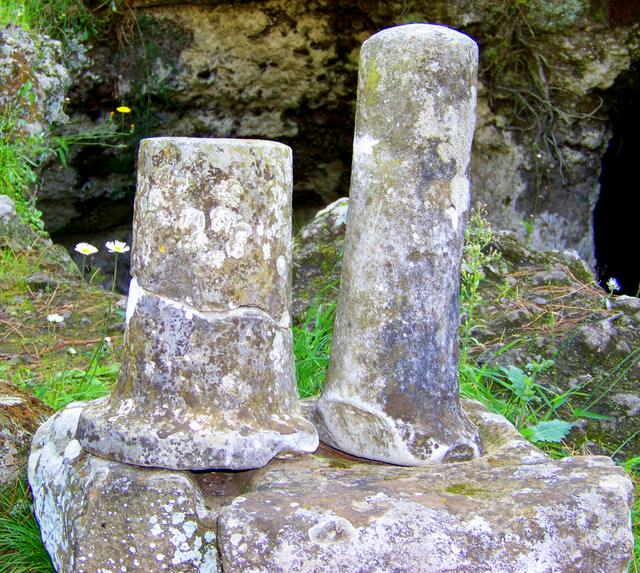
{"x": 266, "y": 251}
{"x": 156, "y": 530}
{"x": 135, "y": 294}
{"x": 235, "y": 539}
{"x": 615, "y": 483}
{"x": 285, "y": 320}
{"x": 177, "y": 518}
{"x": 364, "y": 145}
{"x": 281, "y": 265}
{"x": 217, "y": 258}
{"x": 178, "y": 538}
{"x": 479, "y": 525}
{"x": 222, "y": 219}
{"x": 277, "y": 353}
{"x": 72, "y": 451}
{"x": 236, "y": 245}
{"x": 209, "y": 562}
{"x": 459, "y": 199}
{"x": 191, "y": 222}
{"x": 189, "y": 528}
{"x": 334, "y": 530}
{"x": 209, "y": 537}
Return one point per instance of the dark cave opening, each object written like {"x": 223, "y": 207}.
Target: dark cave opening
{"x": 616, "y": 213}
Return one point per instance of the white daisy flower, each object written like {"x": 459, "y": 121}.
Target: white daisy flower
{"x": 85, "y": 249}
{"x": 116, "y": 246}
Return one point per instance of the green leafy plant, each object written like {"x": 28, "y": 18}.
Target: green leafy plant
{"x": 477, "y": 255}
{"x": 60, "y": 19}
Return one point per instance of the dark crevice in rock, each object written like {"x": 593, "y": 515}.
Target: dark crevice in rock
{"x": 615, "y": 214}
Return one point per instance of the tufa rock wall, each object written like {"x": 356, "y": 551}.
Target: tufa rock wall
{"x": 286, "y": 70}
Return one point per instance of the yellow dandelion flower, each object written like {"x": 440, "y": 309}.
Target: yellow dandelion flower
{"x": 123, "y": 109}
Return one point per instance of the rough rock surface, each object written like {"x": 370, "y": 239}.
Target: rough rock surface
{"x": 213, "y": 224}
{"x": 207, "y": 379}
{"x": 510, "y": 510}
{"x": 317, "y": 256}
{"x": 34, "y": 79}
{"x": 392, "y": 387}
{"x": 20, "y": 416}
{"x": 19, "y": 236}
{"x": 286, "y": 70}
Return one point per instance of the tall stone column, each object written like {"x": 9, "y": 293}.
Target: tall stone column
{"x": 392, "y": 388}
{"x": 207, "y": 379}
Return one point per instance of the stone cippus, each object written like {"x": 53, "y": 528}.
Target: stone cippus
{"x": 392, "y": 387}
{"x": 207, "y": 380}
{"x": 208, "y": 316}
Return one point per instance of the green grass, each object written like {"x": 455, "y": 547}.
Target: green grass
{"x": 21, "y": 549}
{"x": 312, "y": 347}
{"x": 60, "y": 19}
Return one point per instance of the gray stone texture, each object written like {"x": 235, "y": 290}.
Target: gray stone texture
{"x": 40, "y": 103}
{"x": 512, "y": 510}
{"x": 392, "y": 386}
{"x": 207, "y": 379}
{"x": 317, "y": 258}
{"x": 20, "y": 415}
{"x": 212, "y": 224}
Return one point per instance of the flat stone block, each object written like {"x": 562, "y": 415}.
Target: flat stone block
{"x": 513, "y": 509}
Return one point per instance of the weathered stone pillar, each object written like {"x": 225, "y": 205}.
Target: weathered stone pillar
{"x": 207, "y": 379}
{"x": 392, "y": 388}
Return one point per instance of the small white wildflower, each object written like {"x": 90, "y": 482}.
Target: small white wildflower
{"x": 116, "y": 246}
{"x": 55, "y": 318}
{"x": 108, "y": 342}
{"x": 85, "y": 249}
{"x": 72, "y": 351}
{"x": 613, "y": 285}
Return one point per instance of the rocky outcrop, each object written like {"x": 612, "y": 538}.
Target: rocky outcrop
{"x": 538, "y": 306}
{"x": 511, "y": 509}
{"x": 34, "y": 81}
{"x": 287, "y": 71}
{"x": 20, "y": 416}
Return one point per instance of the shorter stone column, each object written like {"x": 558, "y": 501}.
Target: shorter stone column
{"x": 207, "y": 380}
{"x": 392, "y": 387}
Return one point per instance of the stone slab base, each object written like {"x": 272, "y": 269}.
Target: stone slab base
{"x": 513, "y": 509}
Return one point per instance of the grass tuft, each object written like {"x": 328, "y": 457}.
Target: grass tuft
{"x": 312, "y": 347}
{"x": 21, "y": 549}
